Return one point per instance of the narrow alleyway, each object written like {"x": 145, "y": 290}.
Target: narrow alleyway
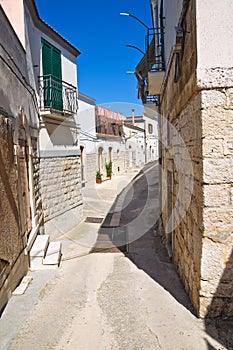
{"x": 116, "y": 288}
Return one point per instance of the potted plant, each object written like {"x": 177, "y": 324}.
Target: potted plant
{"x": 98, "y": 177}
{"x": 108, "y": 167}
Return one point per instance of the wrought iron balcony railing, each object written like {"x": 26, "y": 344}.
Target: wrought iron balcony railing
{"x": 150, "y": 70}
{"x": 108, "y": 127}
{"x": 57, "y": 95}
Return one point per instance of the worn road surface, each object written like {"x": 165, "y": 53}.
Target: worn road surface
{"x": 107, "y": 297}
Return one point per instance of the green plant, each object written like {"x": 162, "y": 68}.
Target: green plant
{"x": 108, "y": 167}
{"x": 98, "y": 175}
{"x": 121, "y": 129}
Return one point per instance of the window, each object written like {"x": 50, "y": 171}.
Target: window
{"x": 51, "y": 59}
{"x": 150, "y": 128}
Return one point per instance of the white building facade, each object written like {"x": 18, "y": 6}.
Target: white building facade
{"x": 134, "y": 145}
{"x": 88, "y": 138}
{"x": 150, "y": 127}
{"x": 51, "y": 74}
{"x": 54, "y": 77}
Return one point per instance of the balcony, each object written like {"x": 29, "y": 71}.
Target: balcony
{"x": 107, "y": 128}
{"x": 150, "y": 71}
{"x": 108, "y": 123}
{"x": 57, "y": 98}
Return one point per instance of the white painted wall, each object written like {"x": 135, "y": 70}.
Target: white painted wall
{"x": 68, "y": 62}
{"x": 151, "y": 139}
{"x": 134, "y": 140}
{"x": 33, "y": 45}
{"x": 214, "y": 33}
{"x": 118, "y": 147}
{"x": 86, "y": 120}
{"x": 54, "y": 136}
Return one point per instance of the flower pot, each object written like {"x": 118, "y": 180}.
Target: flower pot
{"x": 98, "y": 181}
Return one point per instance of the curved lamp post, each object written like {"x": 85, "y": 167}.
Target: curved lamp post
{"x": 147, "y": 36}
{"x": 137, "y": 19}
{"x": 135, "y": 47}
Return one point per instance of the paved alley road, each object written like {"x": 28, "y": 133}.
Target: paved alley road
{"x": 104, "y": 297}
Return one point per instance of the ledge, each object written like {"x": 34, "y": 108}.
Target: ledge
{"x": 59, "y": 153}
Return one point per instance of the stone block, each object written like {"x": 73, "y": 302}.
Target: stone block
{"x": 213, "y": 148}
{"x": 218, "y": 219}
{"x": 217, "y": 123}
{"x": 228, "y": 147}
{"x": 213, "y": 98}
{"x": 214, "y": 260}
{"x": 23, "y": 286}
{"x": 217, "y": 170}
{"x": 40, "y": 246}
{"x": 217, "y": 195}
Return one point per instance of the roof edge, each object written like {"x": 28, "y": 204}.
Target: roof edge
{"x": 43, "y": 26}
{"x": 86, "y": 98}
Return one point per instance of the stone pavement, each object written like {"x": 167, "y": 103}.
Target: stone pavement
{"x": 130, "y": 299}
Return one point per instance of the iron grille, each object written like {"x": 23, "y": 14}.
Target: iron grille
{"x": 57, "y": 95}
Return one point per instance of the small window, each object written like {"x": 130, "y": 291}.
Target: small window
{"x": 150, "y": 128}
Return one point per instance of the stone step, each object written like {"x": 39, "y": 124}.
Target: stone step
{"x": 53, "y": 254}
{"x": 36, "y": 263}
{"x": 23, "y": 286}
{"x": 40, "y": 246}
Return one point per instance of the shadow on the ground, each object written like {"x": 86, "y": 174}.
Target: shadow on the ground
{"x": 137, "y": 238}
{"x": 221, "y": 328}
{"x": 148, "y": 252}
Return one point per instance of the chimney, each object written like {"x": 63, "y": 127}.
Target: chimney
{"x": 133, "y": 116}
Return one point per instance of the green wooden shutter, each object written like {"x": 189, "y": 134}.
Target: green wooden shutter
{"x": 46, "y": 57}
{"x": 51, "y": 62}
{"x": 56, "y": 63}
{"x": 57, "y": 85}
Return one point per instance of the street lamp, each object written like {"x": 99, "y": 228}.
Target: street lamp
{"x": 147, "y": 36}
{"x": 137, "y": 19}
{"x": 135, "y": 47}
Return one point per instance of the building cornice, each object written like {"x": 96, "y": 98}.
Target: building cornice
{"x": 87, "y": 99}
{"x": 47, "y": 29}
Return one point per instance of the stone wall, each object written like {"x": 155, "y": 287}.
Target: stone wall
{"x": 60, "y": 184}
{"x": 197, "y": 202}
{"x": 181, "y": 140}
{"x": 217, "y": 257}
{"x": 188, "y": 225}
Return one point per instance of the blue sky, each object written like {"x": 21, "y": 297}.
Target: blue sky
{"x": 99, "y": 32}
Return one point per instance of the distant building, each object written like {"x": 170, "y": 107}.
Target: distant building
{"x": 150, "y": 127}
{"x": 134, "y": 145}
{"x": 109, "y": 132}
{"x": 88, "y": 139}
